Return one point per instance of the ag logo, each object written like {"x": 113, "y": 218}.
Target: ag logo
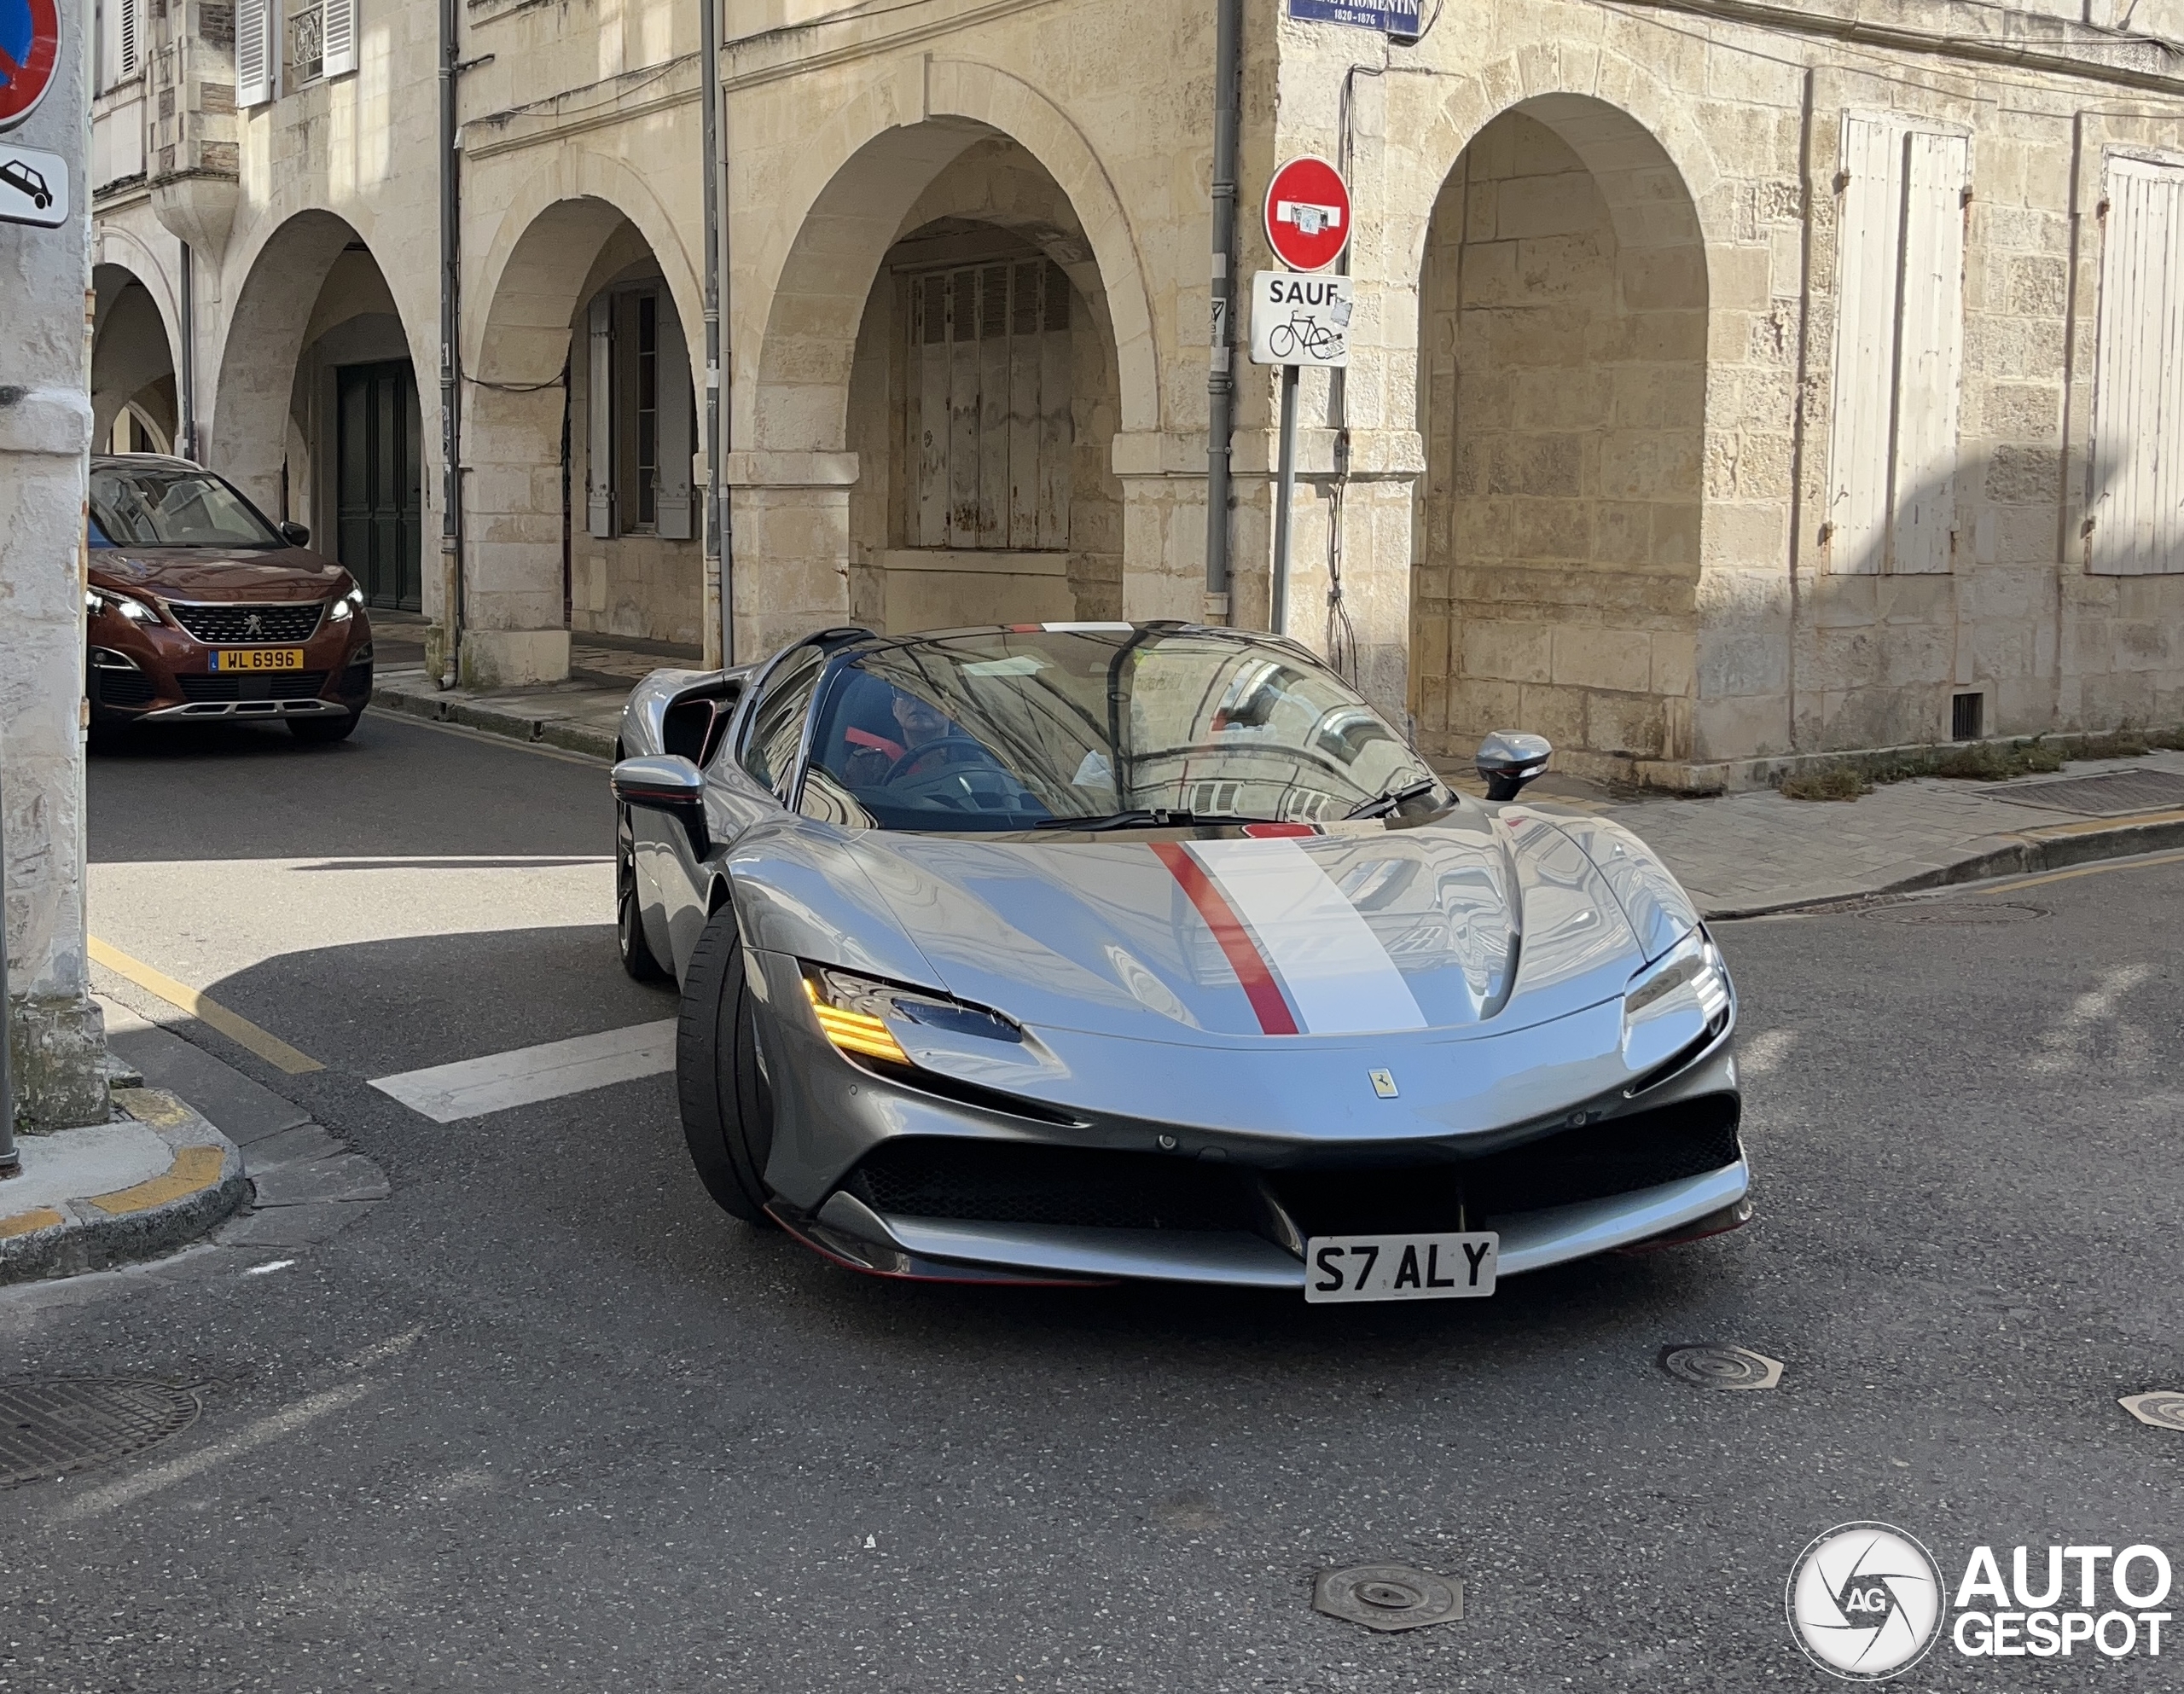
{"x": 1864, "y": 1602}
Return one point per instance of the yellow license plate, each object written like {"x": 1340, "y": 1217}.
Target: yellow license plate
{"x": 258, "y": 658}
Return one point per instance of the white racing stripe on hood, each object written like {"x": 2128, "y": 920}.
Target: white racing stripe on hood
{"x": 1339, "y": 978}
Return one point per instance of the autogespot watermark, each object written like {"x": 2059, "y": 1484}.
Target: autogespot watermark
{"x": 1866, "y": 1602}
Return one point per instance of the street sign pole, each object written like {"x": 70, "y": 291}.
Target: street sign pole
{"x": 11, "y": 1161}
{"x": 1285, "y": 497}
{"x": 1298, "y": 319}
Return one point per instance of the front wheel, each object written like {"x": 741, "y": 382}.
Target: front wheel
{"x": 728, "y": 1114}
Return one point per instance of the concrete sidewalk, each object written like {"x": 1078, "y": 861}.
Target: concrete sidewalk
{"x": 1740, "y": 855}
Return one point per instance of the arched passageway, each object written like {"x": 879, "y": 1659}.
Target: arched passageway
{"x": 1562, "y": 400}
{"x": 134, "y": 408}
{"x": 317, "y": 415}
{"x": 585, "y": 509}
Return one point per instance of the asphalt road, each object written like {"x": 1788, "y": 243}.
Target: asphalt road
{"x": 543, "y": 1419}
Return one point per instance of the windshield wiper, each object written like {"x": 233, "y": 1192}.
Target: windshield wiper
{"x": 1381, "y": 804}
{"x": 1143, "y": 818}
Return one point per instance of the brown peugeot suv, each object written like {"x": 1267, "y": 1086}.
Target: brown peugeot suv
{"x": 200, "y": 608}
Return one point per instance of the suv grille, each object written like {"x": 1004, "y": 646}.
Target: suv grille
{"x": 278, "y": 685}
{"x": 122, "y": 687}
{"x": 1009, "y": 1182}
{"x": 245, "y": 624}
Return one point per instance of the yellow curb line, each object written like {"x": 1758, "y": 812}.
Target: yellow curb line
{"x": 26, "y": 1223}
{"x": 2132, "y": 864}
{"x": 193, "y": 1167}
{"x": 237, "y": 1029}
{"x": 2095, "y": 826}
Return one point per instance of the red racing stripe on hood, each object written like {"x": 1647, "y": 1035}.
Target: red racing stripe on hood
{"x": 1253, "y": 971}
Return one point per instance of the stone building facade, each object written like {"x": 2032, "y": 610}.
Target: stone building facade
{"x": 1733, "y": 383}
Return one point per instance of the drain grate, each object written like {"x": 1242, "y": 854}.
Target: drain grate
{"x": 2109, "y": 795}
{"x": 1714, "y": 1364}
{"x": 2163, "y": 1409}
{"x": 66, "y": 1423}
{"x": 1388, "y": 1597}
{"x": 1967, "y": 913}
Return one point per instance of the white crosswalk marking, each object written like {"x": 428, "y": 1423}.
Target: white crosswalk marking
{"x": 472, "y": 1087}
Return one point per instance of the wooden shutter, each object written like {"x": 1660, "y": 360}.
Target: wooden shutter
{"x": 599, "y": 410}
{"x": 125, "y": 38}
{"x": 1899, "y": 348}
{"x": 2136, "y": 504}
{"x": 338, "y": 39}
{"x": 673, "y": 508}
{"x": 1930, "y": 352}
{"x": 253, "y": 52}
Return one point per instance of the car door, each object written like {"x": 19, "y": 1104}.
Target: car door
{"x": 749, "y": 780}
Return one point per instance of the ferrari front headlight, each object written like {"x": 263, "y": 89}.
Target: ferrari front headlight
{"x": 1682, "y": 996}
{"x": 857, "y": 1013}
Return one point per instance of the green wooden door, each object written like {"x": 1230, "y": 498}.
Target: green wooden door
{"x": 381, "y": 491}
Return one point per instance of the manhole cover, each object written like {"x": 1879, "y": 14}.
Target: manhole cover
{"x": 2109, "y": 795}
{"x": 2163, "y": 1409}
{"x": 1712, "y": 1364}
{"x": 64, "y": 1423}
{"x": 1388, "y": 1597}
{"x": 1966, "y": 912}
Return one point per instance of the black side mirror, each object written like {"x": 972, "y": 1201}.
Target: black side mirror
{"x": 296, "y": 535}
{"x": 665, "y": 783}
{"x": 1508, "y": 759}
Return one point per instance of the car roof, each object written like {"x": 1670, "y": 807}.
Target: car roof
{"x": 166, "y": 460}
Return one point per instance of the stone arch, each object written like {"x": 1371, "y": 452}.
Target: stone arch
{"x": 132, "y": 355}
{"x": 1564, "y": 300}
{"x": 581, "y": 225}
{"x": 841, "y": 207}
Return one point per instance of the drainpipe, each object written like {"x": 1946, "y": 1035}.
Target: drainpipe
{"x": 186, "y": 378}
{"x": 1220, "y": 382}
{"x": 720, "y": 643}
{"x": 450, "y": 353}
{"x": 11, "y": 1161}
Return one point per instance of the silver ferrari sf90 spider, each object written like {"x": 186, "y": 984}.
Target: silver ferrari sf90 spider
{"x": 1075, "y": 952}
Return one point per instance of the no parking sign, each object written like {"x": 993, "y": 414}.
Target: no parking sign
{"x": 30, "y": 49}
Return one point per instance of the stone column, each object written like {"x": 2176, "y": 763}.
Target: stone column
{"x": 790, "y": 537}
{"x": 514, "y": 630}
{"x": 45, "y": 434}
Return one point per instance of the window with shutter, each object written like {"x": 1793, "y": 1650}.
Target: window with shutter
{"x": 599, "y": 434}
{"x": 254, "y": 49}
{"x": 338, "y": 37}
{"x": 989, "y": 407}
{"x": 2136, "y": 507}
{"x": 125, "y": 33}
{"x": 1899, "y": 347}
{"x": 641, "y": 417}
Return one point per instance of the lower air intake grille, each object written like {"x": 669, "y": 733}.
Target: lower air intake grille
{"x": 276, "y": 684}
{"x": 123, "y": 687}
{"x": 1004, "y": 1182}
{"x": 1642, "y": 1149}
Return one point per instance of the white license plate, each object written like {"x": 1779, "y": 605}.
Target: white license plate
{"x": 1400, "y": 1266}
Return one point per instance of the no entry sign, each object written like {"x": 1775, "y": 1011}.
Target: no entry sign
{"x": 29, "y": 46}
{"x": 1307, "y": 213}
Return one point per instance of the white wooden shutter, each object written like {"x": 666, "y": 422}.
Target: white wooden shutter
{"x": 598, "y": 457}
{"x": 1899, "y": 348}
{"x": 125, "y": 38}
{"x": 338, "y": 42}
{"x": 253, "y": 52}
{"x": 672, "y": 506}
{"x": 1868, "y": 236}
{"x": 1930, "y": 352}
{"x": 2137, "y": 500}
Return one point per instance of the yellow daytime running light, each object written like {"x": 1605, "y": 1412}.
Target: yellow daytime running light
{"x": 858, "y": 1032}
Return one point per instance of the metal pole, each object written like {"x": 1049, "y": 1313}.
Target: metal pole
{"x": 709, "y": 126}
{"x": 1220, "y": 382}
{"x": 450, "y": 350}
{"x": 1284, "y": 495}
{"x": 11, "y": 1161}
{"x": 185, "y": 446}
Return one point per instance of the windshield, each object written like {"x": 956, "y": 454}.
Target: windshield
{"x": 158, "y": 505}
{"x": 1012, "y": 730}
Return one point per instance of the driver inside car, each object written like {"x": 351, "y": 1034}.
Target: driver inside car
{"x": 873, "y": 758}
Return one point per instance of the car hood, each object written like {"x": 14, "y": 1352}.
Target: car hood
{"x": 1478, "y": 923}
{"x": 262, "y": 576}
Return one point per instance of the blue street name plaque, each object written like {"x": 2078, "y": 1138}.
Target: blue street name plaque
{"x": 1389, "y": 17}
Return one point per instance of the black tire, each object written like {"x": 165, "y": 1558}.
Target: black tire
{"x": 638, "y": 960}
{"x": 728, "y": 1115}
{"x": 316, "y": 732}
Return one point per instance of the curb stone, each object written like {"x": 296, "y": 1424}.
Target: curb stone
{"x": 568, "y": 733}
{"x": 201, "y": 1187}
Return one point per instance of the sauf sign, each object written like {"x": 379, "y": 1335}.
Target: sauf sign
{"x": 1299, "y": 320}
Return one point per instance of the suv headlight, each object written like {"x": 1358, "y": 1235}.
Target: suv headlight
{"x": 97, "y": 600}
{"x": 345, "y": 608}
{"x": 1679, "y": 998}
{"x": 857, "y": 1013}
